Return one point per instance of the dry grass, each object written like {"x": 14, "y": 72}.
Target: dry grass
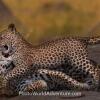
{"x": 47, "y": 18}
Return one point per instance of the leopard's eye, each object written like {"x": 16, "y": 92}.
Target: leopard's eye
{"x": 5, "y": 51}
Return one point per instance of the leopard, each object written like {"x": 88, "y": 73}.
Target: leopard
{"x": 60, "y": 62}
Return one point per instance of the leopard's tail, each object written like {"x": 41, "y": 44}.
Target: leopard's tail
{"x": 91, "y": 40}
{"x": 94, "y": 35}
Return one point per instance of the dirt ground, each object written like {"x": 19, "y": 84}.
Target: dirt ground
{"x": 94, "y": 53}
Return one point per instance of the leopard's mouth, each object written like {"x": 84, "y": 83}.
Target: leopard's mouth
{"x": 5, "y": 66}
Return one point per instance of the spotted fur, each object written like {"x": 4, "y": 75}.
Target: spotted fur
{"x": 65, "y": 56}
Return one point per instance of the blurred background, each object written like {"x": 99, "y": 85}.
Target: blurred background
{"x": 42, "y": 19}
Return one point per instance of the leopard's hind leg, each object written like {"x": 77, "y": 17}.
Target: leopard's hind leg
{"x": 63, "y": 79}
{"x": 58, "y": 78}
{"x": 51, "y": 76}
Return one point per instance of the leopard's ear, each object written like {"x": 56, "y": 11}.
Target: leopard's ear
{"x": 12, "y": 28}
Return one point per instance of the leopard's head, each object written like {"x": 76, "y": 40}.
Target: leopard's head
{"x": 11, "y": 45}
